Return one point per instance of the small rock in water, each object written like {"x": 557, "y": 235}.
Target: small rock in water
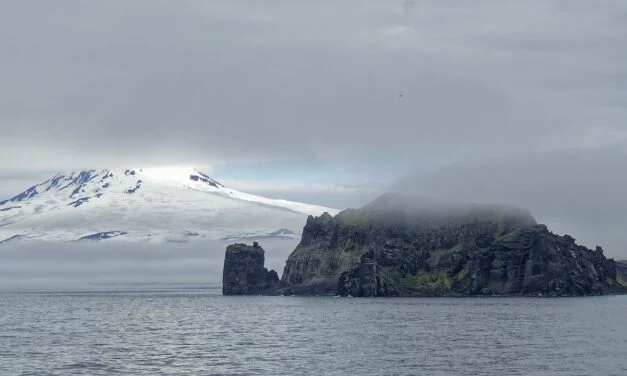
{"x": 244, "y": 272}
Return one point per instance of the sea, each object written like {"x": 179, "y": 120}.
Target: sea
{"x": 198, "y": 331}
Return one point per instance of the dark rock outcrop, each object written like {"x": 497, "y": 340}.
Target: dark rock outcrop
{"x": 393, "y": 247}
{"x": 621, "y": 273}
{"x": 359, "y": 281}
{"x": 244, "y": 272}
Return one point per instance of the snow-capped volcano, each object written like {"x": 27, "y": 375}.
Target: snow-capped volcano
{"x": 171, "y": 204}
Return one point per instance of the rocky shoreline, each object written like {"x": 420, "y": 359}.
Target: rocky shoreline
{"x": 391, "y": 248}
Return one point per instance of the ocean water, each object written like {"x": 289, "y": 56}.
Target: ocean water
{"x": 200, "y": 332}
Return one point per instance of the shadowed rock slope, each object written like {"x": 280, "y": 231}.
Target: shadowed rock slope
{"x": 397, "y": 246}
{"x": 621, "y": 272}
{"x": 244, "y": 272}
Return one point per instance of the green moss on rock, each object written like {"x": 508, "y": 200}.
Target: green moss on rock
{"x": 423, "y": 249}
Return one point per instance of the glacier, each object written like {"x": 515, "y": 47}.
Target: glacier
{"x": 166, "y": 204}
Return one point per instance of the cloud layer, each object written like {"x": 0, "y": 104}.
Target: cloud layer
{"x": 579, "y": 193}
{"x": 122, "y": 265}
{"x": 93, "y": 83}
{"x": 537, "y": 86}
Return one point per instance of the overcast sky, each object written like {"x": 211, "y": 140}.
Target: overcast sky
{"x": 95, "y": 265}
{"x": 330, "y": 101}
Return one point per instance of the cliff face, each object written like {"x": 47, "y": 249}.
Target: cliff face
{"x": 621, "y": 272}
{"x": 244, "y": 272}
{"x": 391, "y": 248}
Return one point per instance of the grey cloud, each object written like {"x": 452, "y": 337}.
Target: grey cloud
{"x": 579, "y": 193}
{"x": 510, "y": 84}
{"x": 85, "y": 265}
{"x": 118, "y": 82}
{"x": 352, "y": 199}
{"x": 13, "y": 181}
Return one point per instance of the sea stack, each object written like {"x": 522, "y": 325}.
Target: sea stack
{"x": 244, "y": 272}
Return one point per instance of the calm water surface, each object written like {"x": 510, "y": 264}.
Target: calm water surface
{"x": 199, "y": 332}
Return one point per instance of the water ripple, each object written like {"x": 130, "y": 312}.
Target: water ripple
{"x": 200, "y": 333}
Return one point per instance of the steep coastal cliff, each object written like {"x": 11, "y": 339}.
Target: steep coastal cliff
{"x": 396, "y": 246}
{"x": 399, "y": 247}
{"x": 244, "y": 272}
{"x": 621, "y": 272}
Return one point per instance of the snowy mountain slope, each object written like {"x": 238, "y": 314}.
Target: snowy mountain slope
{"x": 160, "y": 204}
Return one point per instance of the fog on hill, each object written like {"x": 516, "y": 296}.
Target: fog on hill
{"x": 581, "y": 194}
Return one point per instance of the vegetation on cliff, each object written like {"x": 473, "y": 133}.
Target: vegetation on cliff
{"x": 621, "y": 273}
{"x": 396, "y": 246}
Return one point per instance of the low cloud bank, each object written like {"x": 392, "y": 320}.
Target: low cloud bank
{"x": 113, "y": 265}
{"x": 574, "y": 192}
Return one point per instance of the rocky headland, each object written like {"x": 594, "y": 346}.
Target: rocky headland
{"x": 396, "y": 246}
{"x": 621, "y": 272}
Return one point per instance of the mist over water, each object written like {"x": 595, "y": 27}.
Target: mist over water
{"x": 111, "y": 264}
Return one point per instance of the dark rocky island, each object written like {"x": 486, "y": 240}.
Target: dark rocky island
{"x": 244, "y": 272}
{"x": 621, "y": 272}
{"x": 399, "y": 247}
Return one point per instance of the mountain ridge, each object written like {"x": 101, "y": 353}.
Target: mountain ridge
{"x": 145, "y": 204}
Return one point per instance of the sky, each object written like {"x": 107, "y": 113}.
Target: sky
{"x": 99, "y": 266}
{"x": 330, "y": 102}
